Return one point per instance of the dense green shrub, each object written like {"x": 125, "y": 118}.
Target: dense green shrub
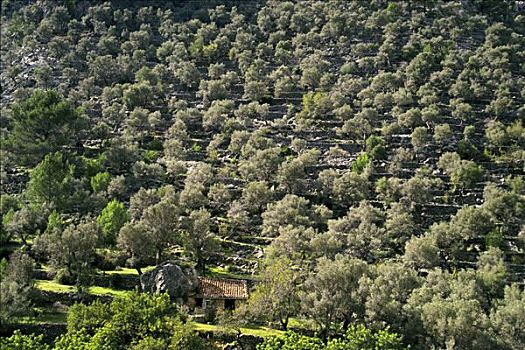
{"x": 111, "y": 219}
{"x": 130, "y": 322}
{"x": 100, "y": 182}
{"x": 355, "y": 338}
{"x": 360, "y": 163}
{"x": 19, "y": 341}
{"x": 375, "y": 147}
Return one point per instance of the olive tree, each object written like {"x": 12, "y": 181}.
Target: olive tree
{"x": 199, "y": 239}
{"x": 291, "y": 210}
{"x": 135, "y": 239}
{"x": 72, "y": 250}
{"x": 506, "y": 318}
{"x": 330, "y": 294}
{"x": 449, "y": 309}
{"x": 163, "y": 220}
{"x": 275, "y": 299}
{"x": 463, "y": 173}
{"x": 386, "y": 291}
{"x": 16, "y": 286}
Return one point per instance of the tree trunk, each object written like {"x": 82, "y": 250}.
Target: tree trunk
{"x": 323, "y": 334}
{"x": 201, "y": 266}
{"x": 158, "y": 256}
{"x": 346, "y": 323}
{"x": 284, "y": 323}
{"x": 238, "y": 338}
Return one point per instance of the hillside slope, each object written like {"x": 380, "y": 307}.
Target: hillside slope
{"x": 225, "y": 134}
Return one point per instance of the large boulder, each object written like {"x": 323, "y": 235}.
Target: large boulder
{"x": 169, "y": 277}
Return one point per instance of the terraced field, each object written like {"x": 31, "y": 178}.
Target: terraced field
{"x": 358, "y": 162}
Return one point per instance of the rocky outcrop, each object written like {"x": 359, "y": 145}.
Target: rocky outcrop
{"x": 169, "y": 277}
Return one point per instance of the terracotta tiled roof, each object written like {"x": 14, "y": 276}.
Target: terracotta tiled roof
{"x": 219, "y": 288}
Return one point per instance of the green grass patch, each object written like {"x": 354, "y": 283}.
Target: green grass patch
{"x": 300, "y": 323}
{"x": 107, "y": 291}
{"x": 204, "y": 327}
{"x": 257, "y": 331}
{"x": 52, "y": 286}
{"x": 121, "y": 271}
{"x": 126, "y": 271}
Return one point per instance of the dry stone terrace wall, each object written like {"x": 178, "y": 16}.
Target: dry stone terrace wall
{"x": 362, "y": 51}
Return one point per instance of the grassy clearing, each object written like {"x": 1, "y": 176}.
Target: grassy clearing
{"x": 126, "y": 271}
{"x": 52, "y": 286}
{"x": 302, "y": 324}
{"x": 108, "y": 291}
{"x": 121, "y": 271}
{"x": 249, "y": 330}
